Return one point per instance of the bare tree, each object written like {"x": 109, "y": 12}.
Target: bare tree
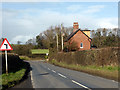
{"x": 19, "y": 42}
{"x": 104, "y": 32}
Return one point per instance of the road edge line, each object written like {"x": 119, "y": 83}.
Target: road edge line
{"x": 32, "y": 79}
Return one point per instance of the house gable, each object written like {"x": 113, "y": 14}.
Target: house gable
{"x": 74, "y": 33}
{"x": 81, "y": 38}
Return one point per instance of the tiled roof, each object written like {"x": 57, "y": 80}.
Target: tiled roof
{"x": 73, "y": 33}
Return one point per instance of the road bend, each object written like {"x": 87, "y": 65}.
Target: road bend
{"x": 44, "y": 75}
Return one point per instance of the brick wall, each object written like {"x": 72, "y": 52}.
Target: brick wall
{"x": 79, "y": 38}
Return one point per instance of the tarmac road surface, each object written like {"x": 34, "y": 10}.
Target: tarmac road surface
{"x": 44, "y": 75}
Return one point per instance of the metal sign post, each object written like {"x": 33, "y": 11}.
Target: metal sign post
{"x": 6, "y": 62}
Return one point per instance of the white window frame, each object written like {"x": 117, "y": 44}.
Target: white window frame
{"x": 81, "y": 44}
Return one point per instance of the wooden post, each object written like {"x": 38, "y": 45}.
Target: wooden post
{"x": 61, "y": 37}
{"x": 6, "y": 62}
{"x": 62, "y": 42}
{"x": 57, "y": 41}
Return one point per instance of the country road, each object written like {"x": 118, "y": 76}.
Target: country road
{"x": 44, "y": 75}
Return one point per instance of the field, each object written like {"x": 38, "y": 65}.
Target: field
{"x": 39, "y": 51}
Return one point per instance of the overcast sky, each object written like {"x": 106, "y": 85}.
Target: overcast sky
{"x": 22, "y": 21}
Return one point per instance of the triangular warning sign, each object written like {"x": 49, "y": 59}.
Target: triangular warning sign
{"x": 5, "y": 45}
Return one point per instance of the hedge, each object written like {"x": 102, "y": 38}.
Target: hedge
{"x": 100, "y": 57}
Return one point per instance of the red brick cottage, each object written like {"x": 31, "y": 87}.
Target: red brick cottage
{"x": 80, "y": 37}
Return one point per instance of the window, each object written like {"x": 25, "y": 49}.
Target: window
{"x": 81, "y": 45}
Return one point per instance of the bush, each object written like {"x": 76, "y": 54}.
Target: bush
{"x": 46, "y": 57}
{"x": 24, "y": 58}
{"x": 14, "y": 62}
{"x": 70, "y": 46}
{"x": 22, "y": 49}
{"x": 98, "y": 57}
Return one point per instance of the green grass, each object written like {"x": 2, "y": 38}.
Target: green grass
{"x": 110, "y": 72}
{"x": 24, "y": 57}
{"x": 30, "y": 58}
{"x": 12, "y": 78}
{"x": 39, "y": 51}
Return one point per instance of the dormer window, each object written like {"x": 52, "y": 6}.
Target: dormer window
{"x": 81, "y": 45}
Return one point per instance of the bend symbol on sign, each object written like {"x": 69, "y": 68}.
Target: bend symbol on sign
{"x": 6, "y": 46}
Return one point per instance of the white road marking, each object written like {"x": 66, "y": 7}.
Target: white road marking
{"x": 113, "y": 81}
{"x": 48, "y": 69}
{"x": 42, "y": 60}
{"x": 61, "y": 75}
{"x": 80, "y": 85}
{"x": 32, "y": 79}
{"x": 53, "y": 71}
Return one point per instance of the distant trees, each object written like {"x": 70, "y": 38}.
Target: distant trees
{"x": 22, "y": 49}
{"x": 101, "y": 37}
{"x": 19, "y": 42}
{"x": 47, "y": 39}
{"x": 105, "y": 37}
{"x": 31, "y": 41}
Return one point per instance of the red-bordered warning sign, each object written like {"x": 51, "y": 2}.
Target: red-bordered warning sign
{"x": 5, "y": 45}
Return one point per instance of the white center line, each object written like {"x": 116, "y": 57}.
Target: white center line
{"x": 53, "y": 71}
{"x": 80, "y": 85}
{"x": 48, "y": 69}
{"x": 61, "y": 75}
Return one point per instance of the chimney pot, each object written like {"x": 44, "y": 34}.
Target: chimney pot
{"x": 75, "y": 26}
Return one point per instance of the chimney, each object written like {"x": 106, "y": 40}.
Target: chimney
{"x": 75, "y": 26}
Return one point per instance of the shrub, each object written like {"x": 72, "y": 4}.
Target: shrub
{"x": 70, "y": 46}
{"x": 99, "y": 57}
{"x": 46, "y": 57}
{"x": 14, "y": 62}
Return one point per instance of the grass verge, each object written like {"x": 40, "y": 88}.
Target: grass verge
{"x": 24, "y": 58}
{"x": 35, "y": 58}
{"x": 12, "y": 79}
{"x": 109, "y": 72}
